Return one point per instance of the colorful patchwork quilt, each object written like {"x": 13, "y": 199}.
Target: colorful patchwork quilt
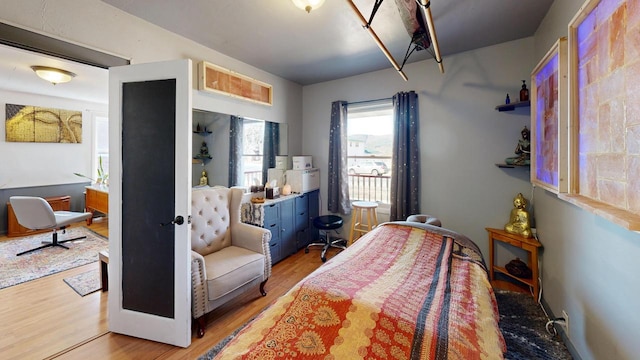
{"x": 402, "y": 291}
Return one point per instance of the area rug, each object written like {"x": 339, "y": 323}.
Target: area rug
{"x": 85, "y": 283}
{"x": 18, "y": 269}
{"x": 522, "y": 323}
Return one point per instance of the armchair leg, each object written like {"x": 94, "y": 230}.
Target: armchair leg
{"x": 200, "y": 326}
{"x": 264, "y": 293}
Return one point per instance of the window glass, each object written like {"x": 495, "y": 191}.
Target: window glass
{"x": 369, "y": 149}
{"x": 252, "y": 147}
{"x": 101, "y": 147}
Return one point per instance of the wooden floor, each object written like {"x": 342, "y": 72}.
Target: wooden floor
{"x": 46, "y": 319}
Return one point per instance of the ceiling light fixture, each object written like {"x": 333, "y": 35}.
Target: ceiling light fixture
{"x": 308, "y": 5}
{"x": 53, "y": 75}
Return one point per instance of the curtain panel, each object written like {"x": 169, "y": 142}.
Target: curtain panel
{"x": 270, "y": 147}
{"x": 338, "y": 184}
{"x": 405, "y": 174}
{"x": 235, "y": 151}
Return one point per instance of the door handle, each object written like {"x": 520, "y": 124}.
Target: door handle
{"x": 179, "y": 220}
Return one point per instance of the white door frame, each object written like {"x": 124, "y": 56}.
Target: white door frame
{"x": 177, "y": 330}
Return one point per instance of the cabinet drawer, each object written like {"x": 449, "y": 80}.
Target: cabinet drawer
{"x": 302, "y": 201}
{"x": 275, "y": 230}
{"x": 302, "y": 220}
{"x": 271, "y": 214}
{"x": 274, "y": 249}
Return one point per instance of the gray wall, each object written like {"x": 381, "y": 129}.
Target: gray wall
{"x": 462, "y": 136}
{"x": 590, "y": 265}
{"x": 76, "y": 191}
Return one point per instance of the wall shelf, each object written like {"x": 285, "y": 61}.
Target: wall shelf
{"x": 202, "y": 132}
{"x": 512, "y": 106}
{"x": 508, "y": 166}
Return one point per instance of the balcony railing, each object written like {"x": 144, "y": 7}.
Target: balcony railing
{"x": 251, "y": 176}
{"x": 370, "y": 188}
{"x": 364, "y": 187}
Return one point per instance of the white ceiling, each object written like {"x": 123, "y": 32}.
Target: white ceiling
{"x": 91, "y": 83}
{"x": 330, "y": 43}
{"x": 275, "y": 36}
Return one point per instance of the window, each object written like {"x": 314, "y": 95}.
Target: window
{"x": 101, "y": 146}
{"x": 369, "y": 150}
{"x": 252, "y": 147}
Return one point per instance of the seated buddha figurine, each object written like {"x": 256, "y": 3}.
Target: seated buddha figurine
{"x": 203, "y": 178}
{"x": 519, "y": 222}
{"x": 523, "y": 150}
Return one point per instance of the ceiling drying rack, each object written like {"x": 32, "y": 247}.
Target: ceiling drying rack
{"x": 420, "y": 38}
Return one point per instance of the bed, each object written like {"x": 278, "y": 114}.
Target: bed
{"x": 403, "y": 291}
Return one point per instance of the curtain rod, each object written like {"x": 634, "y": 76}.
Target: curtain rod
{"x": 375, "y": 37}
{"x": 369, "y": 101}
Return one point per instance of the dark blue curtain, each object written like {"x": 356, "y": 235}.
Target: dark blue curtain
{"x": 235, "y": 151}
{"x": 405, "y": 174}
{"x": 338, "y": 185}
{"x": 270, "y": 147}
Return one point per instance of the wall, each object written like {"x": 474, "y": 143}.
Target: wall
{"x": 38, "y": 164}
{"x": 462, "y": 135}
{"x": 102, "y": 27}
{"x": 45, "y": 169}
{"x": 589, "y": 264}
{"x": 105, "y": 28}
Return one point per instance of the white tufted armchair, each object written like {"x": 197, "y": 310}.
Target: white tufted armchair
{"x": 228, "y": 257}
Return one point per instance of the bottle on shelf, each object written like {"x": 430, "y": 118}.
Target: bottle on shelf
{"x": 524, "y": 92}
{"x": 507, "y": 100}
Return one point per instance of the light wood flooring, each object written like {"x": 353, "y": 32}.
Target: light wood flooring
{"x": 46, "y": 319}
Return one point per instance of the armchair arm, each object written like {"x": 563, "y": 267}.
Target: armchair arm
{"x": 250, "y": 237}
{"x": 198, "y": 285}
{"x": 255, "y": 239}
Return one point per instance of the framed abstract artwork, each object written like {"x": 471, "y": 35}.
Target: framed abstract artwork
{"x": 26, "y": 123}
{"x": 604, "y": 119}
{"x": 549, "y": 120}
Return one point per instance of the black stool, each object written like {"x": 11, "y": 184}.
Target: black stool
{"x": 325, "y": 223}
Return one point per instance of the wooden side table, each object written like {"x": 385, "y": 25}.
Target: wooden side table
{"x": 531, "y": 245}
{"x": 104, "y": 269}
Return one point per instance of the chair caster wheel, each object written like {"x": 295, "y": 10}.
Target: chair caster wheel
{"x": 306, "y": 251}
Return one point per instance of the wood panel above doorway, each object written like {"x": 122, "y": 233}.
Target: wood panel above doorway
{"x": 219, "y": 80}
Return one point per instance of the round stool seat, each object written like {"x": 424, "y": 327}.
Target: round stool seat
{"x": 327, "y": 222}
{"x": 365, "y": 204}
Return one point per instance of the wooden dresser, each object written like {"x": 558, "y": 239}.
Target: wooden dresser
{"x": 57, "y": 203}
{"x": 96, "y": 199}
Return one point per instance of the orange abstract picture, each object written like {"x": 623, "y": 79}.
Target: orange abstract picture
{"x": 608, "y": 121}
{"x": 549, "y": 120}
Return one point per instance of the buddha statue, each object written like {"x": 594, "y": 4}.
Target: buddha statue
{"x": 204, "y": 180}
{"x": 523, "y": 150}
{"x": 204, "y": 150}
{"x": 519, "y": 222}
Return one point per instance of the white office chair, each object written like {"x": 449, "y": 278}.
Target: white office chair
{"x": 35, "y": 213}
